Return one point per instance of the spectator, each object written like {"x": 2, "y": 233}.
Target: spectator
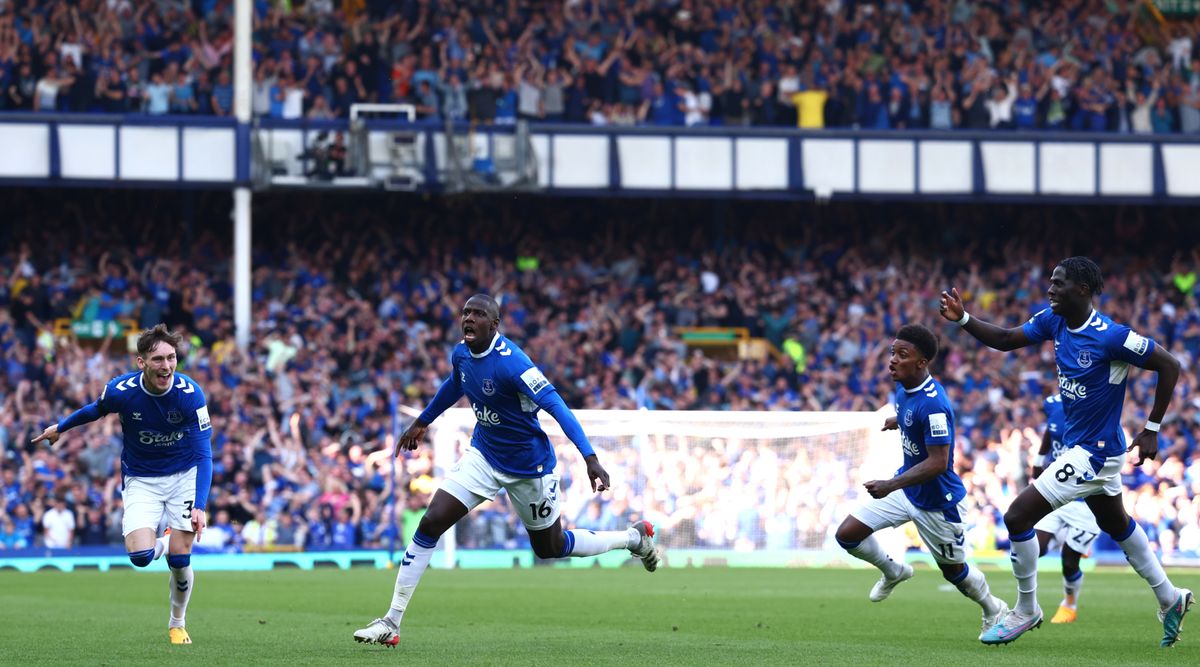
{"x": 157, "y": 95}
{"x": 58, "y": 525}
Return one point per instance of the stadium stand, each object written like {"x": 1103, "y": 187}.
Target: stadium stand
{"x": 938, "y": 64}
{"x": 356, "y": 300}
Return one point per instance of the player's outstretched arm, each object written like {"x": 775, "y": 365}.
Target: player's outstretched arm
{"x": 1166, "y": 366}
{"x": 447, "y": 395}
{"x": 552, "y": 403}
{"x": 87, "y": 414}
{"x": 933, "y": 465}
{"x": 997, "y": 338}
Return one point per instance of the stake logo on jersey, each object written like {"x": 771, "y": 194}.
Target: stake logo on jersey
{"x": 1093, "y": 364}
{"x": 163, "y": 433}
{"x": 928, "y": 420}
{"x": 506, "y": 391}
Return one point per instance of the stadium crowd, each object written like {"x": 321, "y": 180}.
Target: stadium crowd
{"x": 1024, "y": 64}
{"x": 355, "y": 305}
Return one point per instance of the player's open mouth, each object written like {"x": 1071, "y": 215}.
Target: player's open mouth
{"x": 468, "y": 333}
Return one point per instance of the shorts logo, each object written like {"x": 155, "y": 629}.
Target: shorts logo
{"x": 534, "y": 379}
{"x": 1136, "y": 344}
{"x": 908, "y": 418}
{"x": 489, "y": 387}
{"x": 1085, "y": 358}
{"x": 174, "y": 416}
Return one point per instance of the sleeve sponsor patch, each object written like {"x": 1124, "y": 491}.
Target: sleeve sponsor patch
{"x": 202, "y": 418}
{"x": 534, "y": 379}
{"x": 1136, "y": 344}
{"x": 938, "y": 426}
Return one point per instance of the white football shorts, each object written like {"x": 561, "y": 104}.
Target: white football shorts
{"x": 1072, "y": 525}
{"x": 942, "y": 531}
{"x": 146, "y": 498}
{"x": 474, "y": 481}
{"x": 1073, "y": 475}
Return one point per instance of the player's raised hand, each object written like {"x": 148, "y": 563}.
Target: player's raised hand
{"x": 890, "y": 424}
{"x": 597, "y": 474}
{"x": 51, "y": 434}
{"x": 951, "y": 306}
{"x": 412, "y": 437}
{"x": 199, "y": 522}
{"x": 1146, "y": 443}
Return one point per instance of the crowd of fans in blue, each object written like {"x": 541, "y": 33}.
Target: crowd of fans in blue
{"x": 942, "y": 64}
{"x": 356, "y": 301}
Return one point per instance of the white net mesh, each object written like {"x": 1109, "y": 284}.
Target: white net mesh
{"x": 742, "y": 482}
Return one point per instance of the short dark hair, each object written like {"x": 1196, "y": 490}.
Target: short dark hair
{"x": 921, "y": 337}
{"x": 491, "y": 302}
{"x": 151, "y": 337}
{"x": 1083, "y": 270}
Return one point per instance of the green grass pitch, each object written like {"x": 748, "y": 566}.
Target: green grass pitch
{"x": 551, "y": 616}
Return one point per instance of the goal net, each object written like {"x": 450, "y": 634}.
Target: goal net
{"x": 736, "y": 488}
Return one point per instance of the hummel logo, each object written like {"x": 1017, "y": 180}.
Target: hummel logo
{"x": 408, "y": 558}
{"x": 128, "y": 383}
{"x": 185, "y": 386}
{"x": 181, "y": 586}
{"x": 137, "y": 416}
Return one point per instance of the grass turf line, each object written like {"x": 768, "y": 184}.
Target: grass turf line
{"x": 559, "y": 616}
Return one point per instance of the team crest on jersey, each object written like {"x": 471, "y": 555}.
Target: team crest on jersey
{"x": 1085, "y": 358}
{"x": 174, "y": 416}
{"x": 908, "y": 418}
{"x": 489, "y": 387}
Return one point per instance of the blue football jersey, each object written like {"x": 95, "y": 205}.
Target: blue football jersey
{"x": 925, "y": 418}
{"x": 506, "y": 390}
{"x": 163, "y": 433}
{"x": 1093, "y": 364}
{"x": 1056, "y": 422}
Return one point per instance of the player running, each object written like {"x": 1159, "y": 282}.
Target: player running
{"x": 933, "y": 493}
{"x": 1072, "y": 526}
{"x": 508, "y": 451}
{"x": 1093, "y": 355}
{"x": 166, "y": 461}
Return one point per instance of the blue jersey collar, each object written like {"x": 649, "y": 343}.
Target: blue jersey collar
{"x": 495, "y": 339}
{"x": 1086, "y": 322}
{"x": 928, "y": 379}
{"x": 142, "y": 384}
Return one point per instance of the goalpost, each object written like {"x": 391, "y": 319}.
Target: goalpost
{"x": 724, "y": 488}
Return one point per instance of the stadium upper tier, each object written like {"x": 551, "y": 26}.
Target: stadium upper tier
{"x": 1029, "y": 64}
